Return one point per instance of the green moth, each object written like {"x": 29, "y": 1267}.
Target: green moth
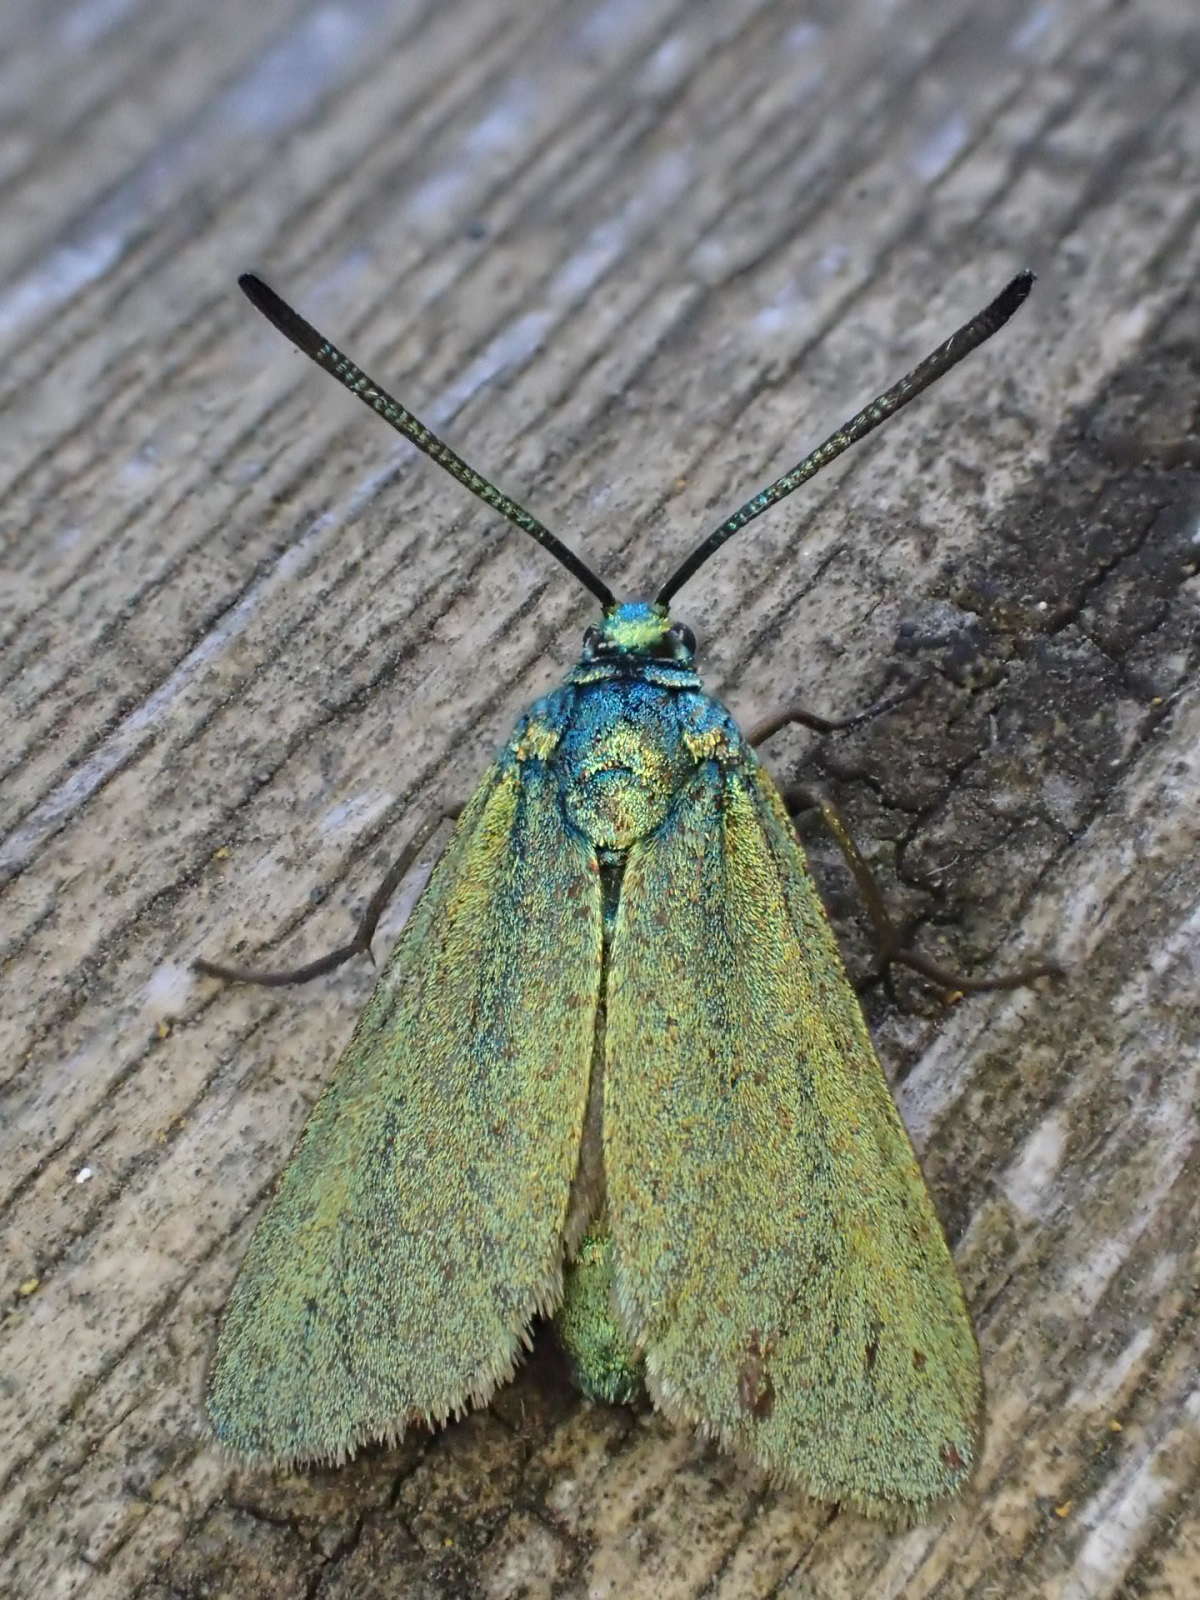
{"x": 614, "y": 1073}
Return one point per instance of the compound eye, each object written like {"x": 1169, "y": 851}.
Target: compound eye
{"x": 686, "y": 637}
{"x": 592, "y": 640}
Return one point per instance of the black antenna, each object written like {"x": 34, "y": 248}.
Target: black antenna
{"x": 327, "y": 355}
{"x": 981, "y": 327}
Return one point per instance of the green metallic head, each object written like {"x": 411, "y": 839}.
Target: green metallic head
{"x": 641, "y": 629}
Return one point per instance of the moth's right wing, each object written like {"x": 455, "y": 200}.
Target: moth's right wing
{"x": 777, "y": 1256}
{"x": 417, "y": 1229}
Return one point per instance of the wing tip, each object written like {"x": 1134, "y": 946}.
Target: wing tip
{"x": 249, "y": 1436}
{"x": 898, "y": 1510}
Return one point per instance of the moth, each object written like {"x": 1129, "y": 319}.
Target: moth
{"x": 614, "y": 1073}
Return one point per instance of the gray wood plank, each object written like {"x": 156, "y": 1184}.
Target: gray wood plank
{"x": 634, "y": 257}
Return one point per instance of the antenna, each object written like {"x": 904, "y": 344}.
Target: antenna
{"x": 316, "y": 346}
{"x": 981, "y": 326}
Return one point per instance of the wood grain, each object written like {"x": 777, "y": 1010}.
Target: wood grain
{"x": 634, "y": 256}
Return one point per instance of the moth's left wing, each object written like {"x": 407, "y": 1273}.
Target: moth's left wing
{"x": 777, "y": 1256}
{"x": 418, "y": 1227}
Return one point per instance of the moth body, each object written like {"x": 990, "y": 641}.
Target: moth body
{"x": 613, "y": 1072}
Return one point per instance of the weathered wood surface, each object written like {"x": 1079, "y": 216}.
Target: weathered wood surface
{"x": 635, "y": 256}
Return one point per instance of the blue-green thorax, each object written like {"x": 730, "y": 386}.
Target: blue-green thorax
{"x": 629, "y": 729}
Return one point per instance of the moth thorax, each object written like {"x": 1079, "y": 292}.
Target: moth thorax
{"x": 615, "y": 809}
{"x": 622, "y": 789}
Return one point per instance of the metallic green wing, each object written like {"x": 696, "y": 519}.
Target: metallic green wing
{"x": 418, "y": 1226}
{"x": 777, "y": 1256}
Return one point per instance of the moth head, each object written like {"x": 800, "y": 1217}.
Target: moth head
{"x": 640, "y": 628}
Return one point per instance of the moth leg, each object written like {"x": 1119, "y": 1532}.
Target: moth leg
{"x": 810, "y": 719}
{"x": 888, "y": 934}
{"x": 363, "y": 934}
